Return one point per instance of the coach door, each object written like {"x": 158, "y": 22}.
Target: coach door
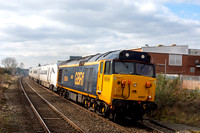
{"x": 49, "y": 72}
{"x": 100, "y": 78}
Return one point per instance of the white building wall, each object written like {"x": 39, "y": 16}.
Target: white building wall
{"x": 180, "y": 49}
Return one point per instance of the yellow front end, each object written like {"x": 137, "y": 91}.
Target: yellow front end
{"x": 127, "y": 87}
{"x": 133, "y": 87}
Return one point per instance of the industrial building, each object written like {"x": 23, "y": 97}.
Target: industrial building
{"x": 174, "y": 59}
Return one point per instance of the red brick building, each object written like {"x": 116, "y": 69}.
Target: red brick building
{"x": 169, "y": 64}
{"x": 174, "y": 59}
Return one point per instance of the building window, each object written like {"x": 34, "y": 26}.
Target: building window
{"x": 192, "y": 69}
{"x": 175, "y": 60}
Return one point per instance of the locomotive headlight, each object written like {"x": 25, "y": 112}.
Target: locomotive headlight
{"x": 127, "y": 54}
{"x": 142, "y": 56}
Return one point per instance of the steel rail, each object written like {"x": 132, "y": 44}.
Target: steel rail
{"x": 34, "y": 109}
{"x": 161, "y": 125}
{"x": 57, "y": 111}
{"x": 92, "y": 113}
{"x": 155, "y": 130}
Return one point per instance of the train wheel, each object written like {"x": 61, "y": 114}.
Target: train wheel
{"x": 86, "y": 103}
{"x": 104, "y": 110}
{"x": 50, "y": 87}
{"x": 94, "y": 106}
{"x": 66, "y": 95}
{"x": 62, "y": 92}
{"x": 115, "y": 117}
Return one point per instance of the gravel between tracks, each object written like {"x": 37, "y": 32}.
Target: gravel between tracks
{"x": 18, "y": 116}
{"x": 82, "y": 118}
{"x": 53, "y": 120}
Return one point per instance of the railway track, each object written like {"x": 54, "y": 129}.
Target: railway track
{"x": 127, "y": 126}
{"x": 51, "y": 119}
{"x": 158, "y": 126}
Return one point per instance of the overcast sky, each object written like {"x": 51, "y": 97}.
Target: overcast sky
{"x": 44, "y": 31}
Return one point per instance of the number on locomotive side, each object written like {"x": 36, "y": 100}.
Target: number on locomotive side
{"x": 79, "y": 77}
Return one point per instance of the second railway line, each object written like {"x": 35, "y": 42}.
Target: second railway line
{"x": 51, "y": 120}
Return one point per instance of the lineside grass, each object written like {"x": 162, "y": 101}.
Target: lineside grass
{"x": 176, "y": 104}
{"x": 5, "y": 118}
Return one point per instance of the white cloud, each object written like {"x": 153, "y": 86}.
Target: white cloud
{"x": 46, "y": 31}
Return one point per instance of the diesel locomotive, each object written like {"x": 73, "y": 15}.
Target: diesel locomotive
{"x": 115, "y": 84}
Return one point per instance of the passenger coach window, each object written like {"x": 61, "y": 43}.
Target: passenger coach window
{"x": 108, "y": 68}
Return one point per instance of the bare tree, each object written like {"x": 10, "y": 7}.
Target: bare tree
{"x": 21, "y": 65}
{"x": 10, "y": 63}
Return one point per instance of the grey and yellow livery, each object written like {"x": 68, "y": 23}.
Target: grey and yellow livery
{"x": 116, "y": 83}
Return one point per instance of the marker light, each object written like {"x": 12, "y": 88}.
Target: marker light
{"x": 129, "y": 82}
{"x": 123, "y": 83}
{"x": 148, "y": 85}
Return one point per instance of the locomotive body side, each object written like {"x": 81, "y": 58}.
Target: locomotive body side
{"x": 79, "y": 79}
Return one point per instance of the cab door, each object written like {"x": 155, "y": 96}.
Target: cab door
{"x": 100, "y": 78}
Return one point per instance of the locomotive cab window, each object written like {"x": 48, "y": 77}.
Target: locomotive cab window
{"x": 124, "y": 67}
{"x": 108, "y": 68}
{"x": 145, "y": 70}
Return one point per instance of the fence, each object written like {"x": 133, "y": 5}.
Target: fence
{"x": 190, "y": 82}
{"x": 187, "y": 82}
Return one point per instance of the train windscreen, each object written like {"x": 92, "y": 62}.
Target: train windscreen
{"x": 134, "y": 68}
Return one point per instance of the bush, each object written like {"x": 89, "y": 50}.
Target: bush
{"x": 176, "y": 104}
{"x": 1, "y": 70}
{"x": 4, "y": 70}
{"x": 7, "y": 71}
{"x": 166, "y": 91}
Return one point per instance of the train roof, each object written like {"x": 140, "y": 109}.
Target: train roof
{"x": 112, "y": 55}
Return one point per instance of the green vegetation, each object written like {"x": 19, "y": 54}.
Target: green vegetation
{"x": 176, "y": 104}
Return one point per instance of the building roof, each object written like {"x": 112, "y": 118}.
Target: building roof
{"x": 174, "y": 49}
